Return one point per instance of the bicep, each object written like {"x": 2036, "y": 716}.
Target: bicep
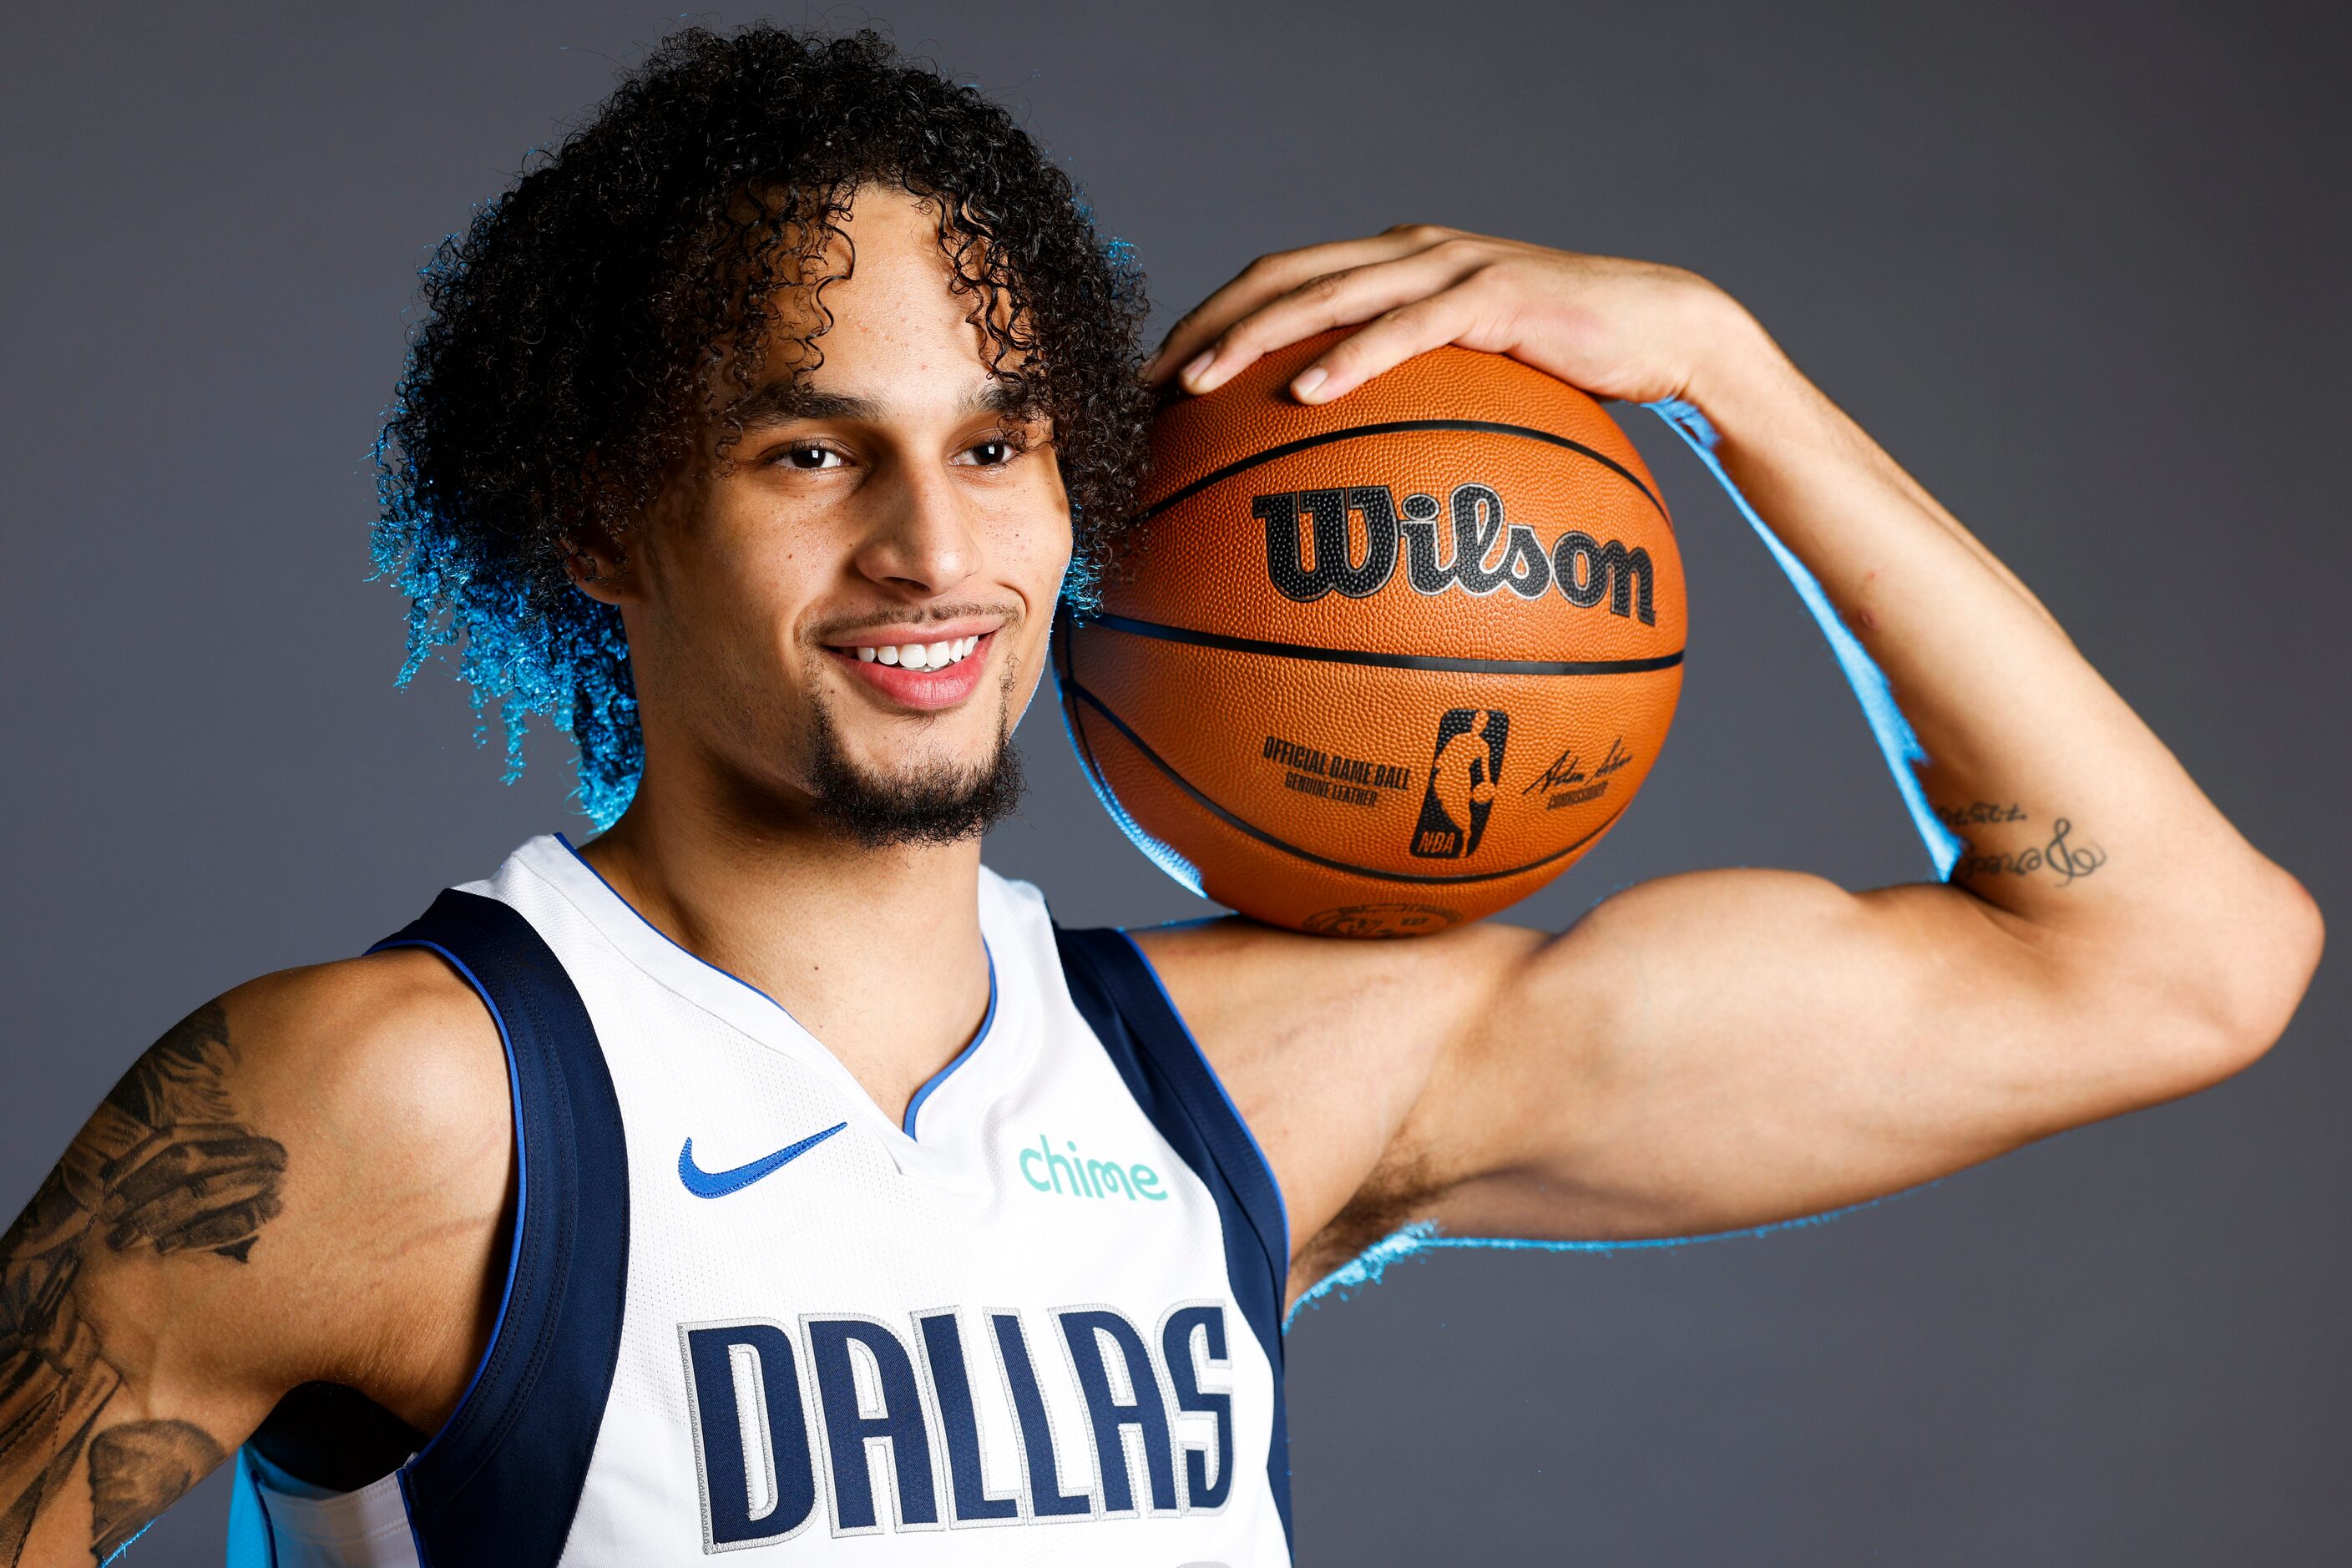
{"x": 300, "y": 1179}
{"x": 118, "y": 1274}
{"x": 1733, "y": 1048}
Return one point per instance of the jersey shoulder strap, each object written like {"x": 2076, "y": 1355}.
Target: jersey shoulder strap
{"x": 1121, "y": 999}
{"x": 499, "y": 1484}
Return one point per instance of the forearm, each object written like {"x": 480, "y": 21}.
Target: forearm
{"x": 2077, "y": 819}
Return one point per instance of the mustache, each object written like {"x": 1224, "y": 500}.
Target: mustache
{"x": 840, "y": 626}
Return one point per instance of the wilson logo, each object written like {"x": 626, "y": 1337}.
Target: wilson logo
{"x": 1310, "y": 551}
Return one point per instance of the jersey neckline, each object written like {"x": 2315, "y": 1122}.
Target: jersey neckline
{"x": 752, "y": 1011}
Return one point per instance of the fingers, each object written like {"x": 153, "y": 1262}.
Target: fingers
{"x": 1453, "y": 316}
{"x": 1331, "y": 300}
{"x": 1271, "y": 277}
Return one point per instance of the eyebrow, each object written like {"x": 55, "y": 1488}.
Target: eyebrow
{"x": 781, "y": 401}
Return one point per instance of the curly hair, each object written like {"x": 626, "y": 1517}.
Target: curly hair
{"x": 580, "y": 335}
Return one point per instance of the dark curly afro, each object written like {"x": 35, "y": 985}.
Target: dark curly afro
{"x": 582, "y": 334}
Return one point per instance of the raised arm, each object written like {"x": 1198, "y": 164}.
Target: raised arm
{"x": 1729, "y": 1048}
{"x": 302, "y": 1180}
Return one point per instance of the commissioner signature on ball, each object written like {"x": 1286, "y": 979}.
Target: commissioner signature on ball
{"x": 1562, "y": 771}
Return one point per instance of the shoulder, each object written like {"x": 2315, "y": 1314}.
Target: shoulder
{"x": 1327, "y": 1046}
{"x": 394, "y": 1046}
{"x": 385, "y": 1081}
{"x": 305, "y": 1178}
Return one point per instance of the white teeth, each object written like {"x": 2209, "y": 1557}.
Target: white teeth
{"x": 920, "y": 656}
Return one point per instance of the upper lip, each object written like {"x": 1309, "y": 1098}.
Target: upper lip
{"x": 899, "y": 636}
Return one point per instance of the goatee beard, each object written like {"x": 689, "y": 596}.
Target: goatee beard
{"x": 940, "y": 805}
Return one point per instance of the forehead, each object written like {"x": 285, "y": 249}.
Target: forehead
{"x": 884, "y": 313}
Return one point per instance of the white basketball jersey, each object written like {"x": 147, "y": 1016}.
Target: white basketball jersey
{"x": 1037, "y": 1322}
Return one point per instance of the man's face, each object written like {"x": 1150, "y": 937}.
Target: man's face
{"x": 851, "y": 609}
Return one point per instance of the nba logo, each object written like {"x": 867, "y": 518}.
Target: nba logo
{"x": 1464, "y": 767}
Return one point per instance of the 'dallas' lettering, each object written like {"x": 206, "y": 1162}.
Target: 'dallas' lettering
{"x": 1310, "y": 551}
{"x": 882, "y": 1456}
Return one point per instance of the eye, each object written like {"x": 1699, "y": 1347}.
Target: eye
{"x": 808, "y": 456}
{"x": 991, "y": 452}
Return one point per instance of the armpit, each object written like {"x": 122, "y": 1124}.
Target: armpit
{"x": 1401, "y": 1189}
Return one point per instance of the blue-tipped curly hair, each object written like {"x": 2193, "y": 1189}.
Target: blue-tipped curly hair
{"x": 580, "y": 339}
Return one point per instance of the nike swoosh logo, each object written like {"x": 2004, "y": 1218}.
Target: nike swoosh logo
{"x": 705, "y": 1183}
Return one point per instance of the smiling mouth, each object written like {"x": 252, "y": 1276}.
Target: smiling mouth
{"x": 915, "y": 655}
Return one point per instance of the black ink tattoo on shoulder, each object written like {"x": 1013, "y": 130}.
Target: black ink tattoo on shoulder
{"x": 163, "y": 1167}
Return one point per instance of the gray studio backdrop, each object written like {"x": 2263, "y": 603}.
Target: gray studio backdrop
{"x": 2080, "y": 266}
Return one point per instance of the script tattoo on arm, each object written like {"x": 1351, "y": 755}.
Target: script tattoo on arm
{"x": 2061, "y": 855}
{"x": 163, "y": 1170}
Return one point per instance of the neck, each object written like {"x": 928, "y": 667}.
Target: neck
{"x": 877, "y": 952}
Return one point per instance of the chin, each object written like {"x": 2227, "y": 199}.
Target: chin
{"x": 906, "y": 747}
{"x": 943, "y": 796}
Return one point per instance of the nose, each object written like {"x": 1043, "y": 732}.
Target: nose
{"x": 922, "y": 541}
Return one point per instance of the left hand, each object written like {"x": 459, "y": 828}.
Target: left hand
{"x": 1629, "y": 330}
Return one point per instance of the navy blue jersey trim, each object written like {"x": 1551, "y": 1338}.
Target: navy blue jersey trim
{"x": 522, "y": 1148}
{"x": 500, "y": 1483}
{"x": 1281, "y": 1249}
{"x": 1123, "y": 1001}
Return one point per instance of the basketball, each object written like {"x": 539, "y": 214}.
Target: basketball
{"x": 1379, "y": 667}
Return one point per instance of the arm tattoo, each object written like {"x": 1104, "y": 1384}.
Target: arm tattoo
{"x": 2060, "y": 855}
{"x": 1958, "y": 817}
{"x": 138, "y": 1469}
{"x": 163, "y": 1168}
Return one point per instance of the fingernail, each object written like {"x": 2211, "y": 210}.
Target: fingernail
{"x": 1199, "y": 367}
{"x": 1304, "y": 387}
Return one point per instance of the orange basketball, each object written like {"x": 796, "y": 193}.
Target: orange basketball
{"x": 1378, "y": 666}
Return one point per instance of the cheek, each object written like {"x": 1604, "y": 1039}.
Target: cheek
{"x": 1034, "y": 539}
{"x": 1032, "y": 546}
{"x": 752, "y": 573}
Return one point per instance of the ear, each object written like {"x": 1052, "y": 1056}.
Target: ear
{"x": 601, "y": 569}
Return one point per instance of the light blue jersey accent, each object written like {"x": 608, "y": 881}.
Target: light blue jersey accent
{"x": 987, "y": 1022}
{"x": 1422, "y": 1237}
{"x": 1896, "y": 740}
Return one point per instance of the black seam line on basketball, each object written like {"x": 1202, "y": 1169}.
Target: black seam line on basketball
{"x": 1065, "y": 676}
{"x": 1402, "y": 427}
{"x": 1239, "y": 825}
{"x": 1386, "y": 661}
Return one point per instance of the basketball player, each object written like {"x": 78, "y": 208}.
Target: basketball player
{"x": 765, "y": 1174}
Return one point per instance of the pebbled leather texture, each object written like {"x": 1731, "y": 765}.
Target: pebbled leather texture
{"x": 1220, "y": 698}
